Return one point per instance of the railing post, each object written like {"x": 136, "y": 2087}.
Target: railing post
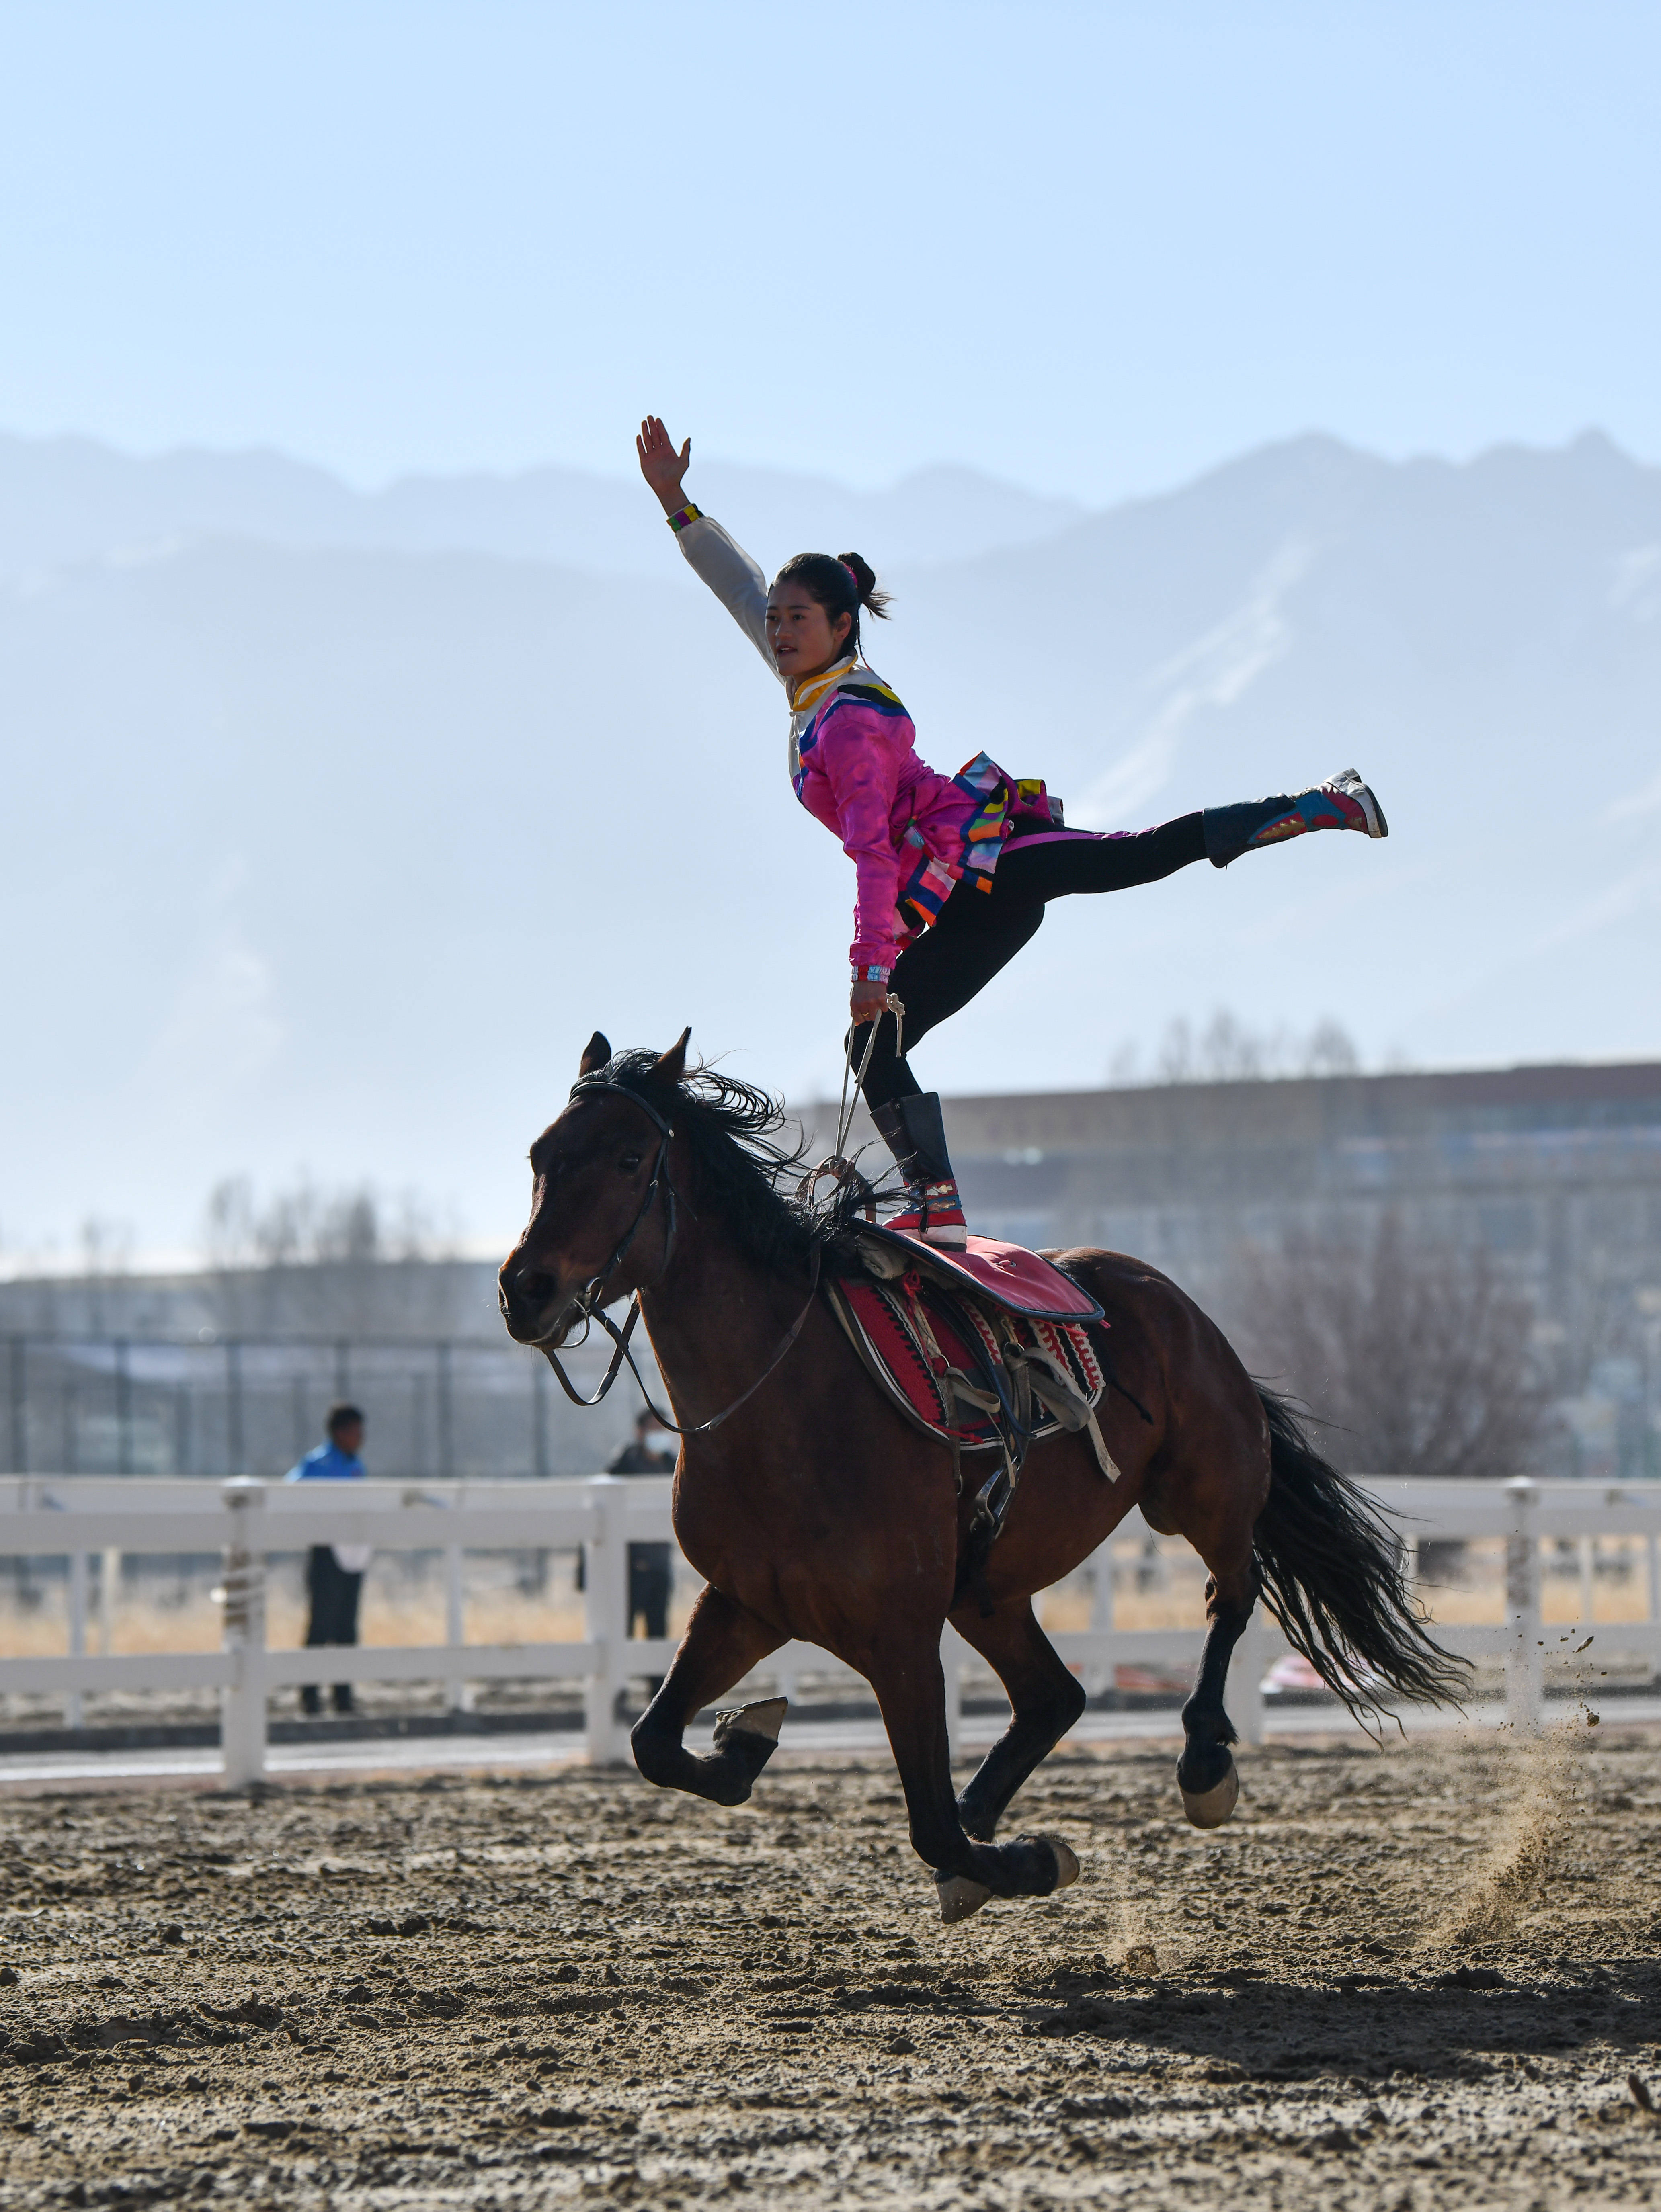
{"x": 77, "y": 1631}
{"x": 123, "y": 1408}
{"x": 233, "y": 1440}
{"x": 605, "y": 1616}
{"x": 1524, "y": 1660}
{"x": 109, "y": 1589}
{"x": 456, "y": 1694}
{"x": 20, "y": 1406}
{"x": 446, "y": 1413}
{"x": 242, "y": 1701}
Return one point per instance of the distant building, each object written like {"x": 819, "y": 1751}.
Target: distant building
{"x": 1557, "y": 1171}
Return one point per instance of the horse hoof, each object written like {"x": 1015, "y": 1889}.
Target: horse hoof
{"x": 960, "y": 1896}
{"x": 1209, "y": 1808}
{"x": 1066, "y": 1864}
{"x": 744, "y": 1740}
{"x": 764, "y": 1718}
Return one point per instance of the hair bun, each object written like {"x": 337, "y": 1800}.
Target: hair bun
{"x": 864, "y": 574}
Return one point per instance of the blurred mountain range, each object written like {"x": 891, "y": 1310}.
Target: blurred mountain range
{"x": 334, "y": 821}
{"x": 70, "y": 499}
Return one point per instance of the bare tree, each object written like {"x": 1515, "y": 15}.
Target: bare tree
{"x": 1228, "y": 1050}
{"x": 106, "y": 1249}
{"x": 1418, "y": 1357}
{"x": 305, "y": 1227}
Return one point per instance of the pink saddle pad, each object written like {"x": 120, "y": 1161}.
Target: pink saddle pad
{"x": 1022, "y": 1280}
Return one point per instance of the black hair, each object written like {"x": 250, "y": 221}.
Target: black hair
{"x": 342, "y": 1417}
{"x": 841, "y": 584}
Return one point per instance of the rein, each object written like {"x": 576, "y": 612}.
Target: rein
{"x": 840, "y": 1170}
{"x": 588, "y": 1304}
{"x": 845, "y": 1112}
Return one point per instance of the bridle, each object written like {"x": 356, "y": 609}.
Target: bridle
{"x": 588, "y": 1300}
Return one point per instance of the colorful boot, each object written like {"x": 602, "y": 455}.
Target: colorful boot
{"x": 1342, "y": 802}
{"x": 913, "y": 1132}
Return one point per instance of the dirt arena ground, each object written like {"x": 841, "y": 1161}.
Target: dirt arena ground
{"x": 1424, "y": 1977}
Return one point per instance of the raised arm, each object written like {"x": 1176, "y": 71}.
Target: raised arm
{"x": 721, "y": 560}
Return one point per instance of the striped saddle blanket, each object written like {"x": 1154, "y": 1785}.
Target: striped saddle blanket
{"x": 972, "y": 1372}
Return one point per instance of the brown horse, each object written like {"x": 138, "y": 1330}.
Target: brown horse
{"x": 814, "y": 1510}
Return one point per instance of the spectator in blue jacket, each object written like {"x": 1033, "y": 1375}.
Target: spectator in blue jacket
{"x": 334, "y": 1573}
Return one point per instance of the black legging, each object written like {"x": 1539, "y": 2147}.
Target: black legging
{"x": 980, "y": 931}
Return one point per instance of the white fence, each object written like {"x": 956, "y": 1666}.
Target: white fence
{"x": 246, "y": 1520}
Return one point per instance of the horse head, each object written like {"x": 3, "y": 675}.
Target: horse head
{"x": 601, "y": 1206}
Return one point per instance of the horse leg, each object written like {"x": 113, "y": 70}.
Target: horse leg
{"x": 910, "y": 1687}
{"x": 723, "y": 1641}
{"x": 1045, "y": 1698}
{"x": 1206, "y": 1772}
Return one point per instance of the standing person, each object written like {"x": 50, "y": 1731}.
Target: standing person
{"x": 334, "y": 1573}
{"x": 955, "y": 872}
{"x": 651, "y": 1568}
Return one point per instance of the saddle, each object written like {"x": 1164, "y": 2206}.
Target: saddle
{"x": 986, "y": 1349}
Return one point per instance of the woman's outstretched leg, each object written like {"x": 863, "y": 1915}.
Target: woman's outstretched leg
{"x": 980, "y": 931}
{"x": 1078, "y": 863}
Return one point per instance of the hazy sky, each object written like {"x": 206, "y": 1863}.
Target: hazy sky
{"x": 1090, "y": 247}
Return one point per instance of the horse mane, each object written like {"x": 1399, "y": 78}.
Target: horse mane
{"x": 741, "y": 1153}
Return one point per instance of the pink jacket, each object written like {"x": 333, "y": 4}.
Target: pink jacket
{"x": 910, "y": 832}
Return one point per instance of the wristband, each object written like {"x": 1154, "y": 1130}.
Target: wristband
{"x": 872, "y": 974}
{"x": 683, "y": 515}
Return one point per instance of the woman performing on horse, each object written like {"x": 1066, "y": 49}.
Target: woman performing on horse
{"x": 955, "y": 872}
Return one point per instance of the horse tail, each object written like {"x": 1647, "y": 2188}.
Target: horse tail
{"x": 1330, "y": 1568}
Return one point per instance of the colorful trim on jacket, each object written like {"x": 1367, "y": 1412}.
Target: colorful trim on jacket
{"x": 684, "y": 517}
{"x": 987, "y": 827}
{"x": 933, "y": 879}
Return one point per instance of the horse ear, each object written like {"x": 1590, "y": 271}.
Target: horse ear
{"x": 672, "y": 1064}
{"x": 595, "y": 1054}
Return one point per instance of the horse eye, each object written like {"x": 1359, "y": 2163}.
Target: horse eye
{"x": 631, "y": 1161}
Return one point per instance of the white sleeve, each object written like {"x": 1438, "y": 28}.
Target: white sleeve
{"x": 733, "y": 578}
